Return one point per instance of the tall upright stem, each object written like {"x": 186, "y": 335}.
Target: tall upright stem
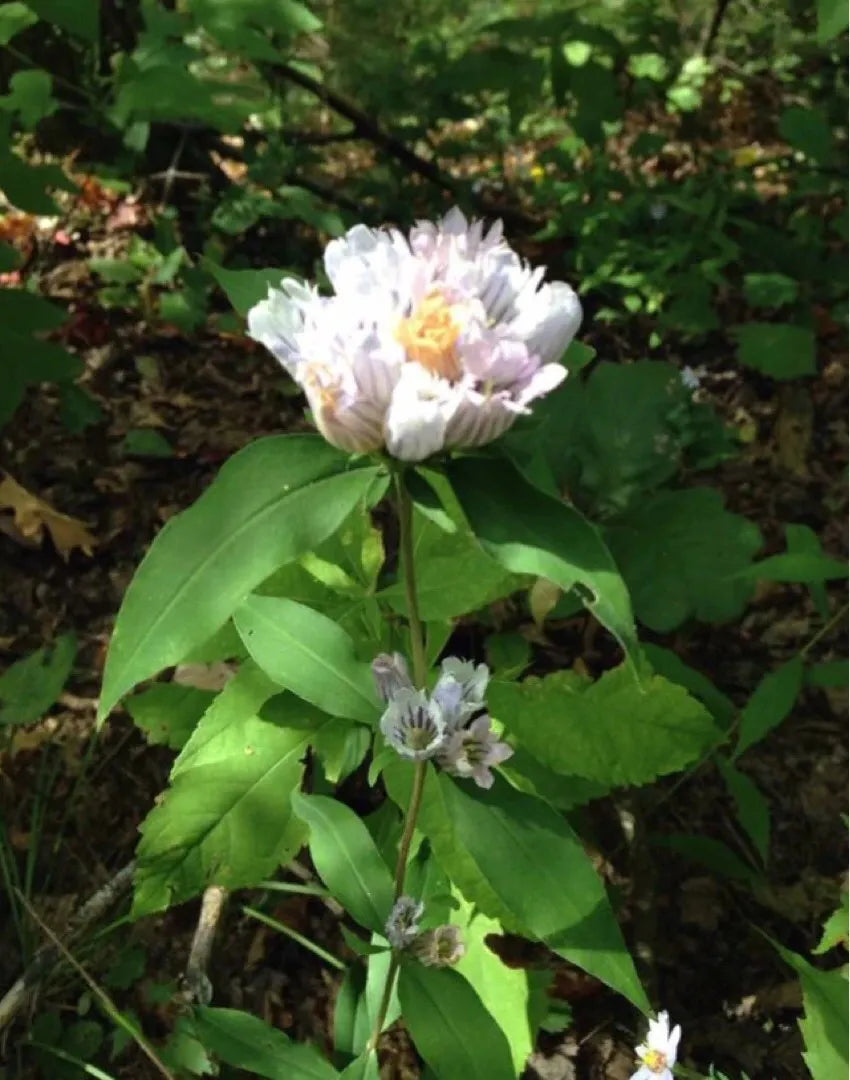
{"x": 420, "y": 671}
{"x": 417, "y": 633}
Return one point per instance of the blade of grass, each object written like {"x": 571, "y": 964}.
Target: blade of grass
{"x": 63, "y": 1055}
{"x": 108, "y": 1006}
{"x": 329, "y": 958}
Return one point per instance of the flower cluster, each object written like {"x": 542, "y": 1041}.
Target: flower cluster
{"x": 658, "y": 1054}
{"x": 438, "y": 339}
{"x": 443, "y": 724}
{"x": 440, "y": 947}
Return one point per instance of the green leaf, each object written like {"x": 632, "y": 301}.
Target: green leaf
{"x": 14, "y": 18}
{"x": 648, "y": 66}
{"x": 577, "y": 356}
{"x": 276, "y": 499}
{"x": 29, "y": 687}
{"x": 836, "y": 930}
{"x": 711, "y": 853}
{"x": 453, "y": 575}
{"x": 364, "y": 1067}
{"x": 751, "y": 805}
{"x": 780, "y": 350}
{"x": 832, "y": 19}
{"x": 245, "y": 288}
{"x": 450, "y": 1027}
{"x": 673, "y": 668}
{"x": 247, "y": 1042}
{"x": 30, "y": 97}
{"x": 226, "y": 818}
{"x": 117, "y": 271}
{"x": 77, "y": 409}
{"x": 829, "y": 673}
{"x": 492, "y": 844}
{"x": 611, "y": 730}
{"x": 146, "y": 442}
{"x": 504, "y": 991}
{"x": 770, "y": 290}
{"x": 79, "y": 17}
{"x": 802, "y": 540}
{"x": 796, "y": 567}
{"x": 307, "y": 653}
{"x": 530, "y": 533}
{"x": 680, "y": 553}
{"x": 169, "y": 713}
{"x": 808, "y": 131}
{"x": 347, "y": 860}
{"x": 773, "y": 699}
{"x": 824, "y": 1026}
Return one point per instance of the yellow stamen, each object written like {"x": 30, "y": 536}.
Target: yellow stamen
{"x": 429, "y": 336}
{"x": 655, "y": 1061}
{"x": 319, "y": 381}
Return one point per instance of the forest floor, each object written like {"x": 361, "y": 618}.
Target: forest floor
{"x": 72, "y": 800}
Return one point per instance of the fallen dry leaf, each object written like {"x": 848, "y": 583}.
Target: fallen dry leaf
{"x": 32, "y": 516}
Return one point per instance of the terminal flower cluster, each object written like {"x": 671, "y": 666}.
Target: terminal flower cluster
{"x": 433, "y": 340}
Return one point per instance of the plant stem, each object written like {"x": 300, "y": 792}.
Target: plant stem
{"x": 417, "y": 635}
{"x": 420, "y": 671}
{"x": 410, "y": 825}
{"x": 386, "y": 997}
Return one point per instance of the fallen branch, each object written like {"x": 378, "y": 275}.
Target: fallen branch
{"x": 48, "y": 954}
{"x": 196, "y": 987}
{"x": 366, "y": 126}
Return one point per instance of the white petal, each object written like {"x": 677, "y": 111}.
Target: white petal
{"x": 673, "y": 1045}
{"x": 274, "y": 322}
{"x": 420, "y": 408}
{"x": 549, "y": 320}
{"x": 543, "y": 381}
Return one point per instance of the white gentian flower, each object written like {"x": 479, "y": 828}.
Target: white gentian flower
{"x": 402, "y": 926}
{"x": 391, "y": 675}
{"x": 690, "y": 378}
{"x": 413, "y": 724}
{"x": 460, "y": 690}
{"x": 441, "y": 947}
{"x": 435, "y": 340}
{"x": 469, "y": 752}
{"x": 658, "y": 1054}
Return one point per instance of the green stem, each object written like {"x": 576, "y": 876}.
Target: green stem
{"x": 420, "y": 672}
{"x": 412, "y": 814}
{"x": 417, "y": 635}
{"x": 386, "y": 997}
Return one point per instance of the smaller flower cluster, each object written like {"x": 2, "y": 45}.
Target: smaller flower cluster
{"x": 443, "y": 724}
{"x": 441, "y": 947}
{"x": 657, "y": 1055}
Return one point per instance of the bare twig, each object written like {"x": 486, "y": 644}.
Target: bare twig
{"x": 171, "y": 171}
{"x": 45, "y": 958}
{"x": 367, "y": 126}
{"x": 196, "y": 985}
{"x": 712, "y": 27}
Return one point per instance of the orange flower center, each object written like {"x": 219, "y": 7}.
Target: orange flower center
{"x": 429, "y": 337}
{"x": 655, "y": 1061}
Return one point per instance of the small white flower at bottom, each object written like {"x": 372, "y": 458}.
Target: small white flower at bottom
{"x": 442, "y": 947}
{"x": 402, "y": 926}
{"x": 658, "y": 1054}
{"x": 471, "y": 751}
